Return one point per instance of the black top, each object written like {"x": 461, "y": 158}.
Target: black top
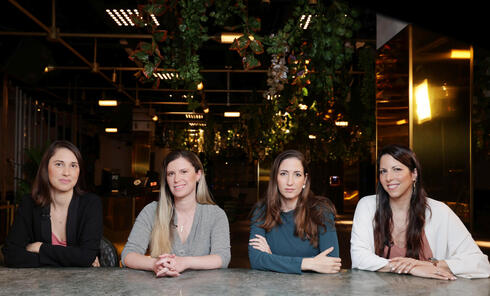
{"x": 33, "y": 224}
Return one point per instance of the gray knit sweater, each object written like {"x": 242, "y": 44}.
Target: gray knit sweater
{"x": 210, "y": 234}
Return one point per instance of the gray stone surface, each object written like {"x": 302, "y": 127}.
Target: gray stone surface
{"x": 121, "y": 281}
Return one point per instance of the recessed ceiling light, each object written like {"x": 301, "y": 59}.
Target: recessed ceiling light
{"x": 122, "y": 17}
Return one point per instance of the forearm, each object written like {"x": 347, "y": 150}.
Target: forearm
{"x": 386, "y": 268}
{"x": 139, "y": 261}
{"x": 202, "y": 262}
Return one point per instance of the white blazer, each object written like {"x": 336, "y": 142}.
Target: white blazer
{"x": 448, "y": 239}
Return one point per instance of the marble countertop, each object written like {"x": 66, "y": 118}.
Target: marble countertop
{"x": 122, "y": 281}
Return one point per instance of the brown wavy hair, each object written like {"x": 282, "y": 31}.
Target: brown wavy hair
{"x": 41, "y": 188}
{"x": 383, "y": 218}
{"x": 312, "y": 212}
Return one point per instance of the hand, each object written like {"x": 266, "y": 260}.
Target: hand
{"x": 96, "y": 262}
{"x": 322, "y": 263}
{"x": 260, "y": 243}
{"x": 34, "y": 247}
{"x": 160, "y": 269}
{"x": 432, "y": 271}
{"x": 404, "y": 264}
{"x": 176, "y": 263}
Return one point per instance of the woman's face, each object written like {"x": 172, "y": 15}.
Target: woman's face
{"x": 291, "y": 178}
{"x": 182, "y": 178}
{"x": 395, "y": 177}
{"x": 63, "y": 170}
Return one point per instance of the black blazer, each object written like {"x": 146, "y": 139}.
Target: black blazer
{"x": 33, "y": 224}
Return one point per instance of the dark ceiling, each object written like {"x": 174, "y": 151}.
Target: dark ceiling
{"x": 84, "y": 27}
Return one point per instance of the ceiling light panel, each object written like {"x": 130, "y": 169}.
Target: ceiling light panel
{"x": 122, "y": 17}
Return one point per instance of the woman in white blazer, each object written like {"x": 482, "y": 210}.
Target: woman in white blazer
{"x": 401, "y": 230}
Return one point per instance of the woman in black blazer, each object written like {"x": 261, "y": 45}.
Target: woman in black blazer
{"x": 58, "y": 224}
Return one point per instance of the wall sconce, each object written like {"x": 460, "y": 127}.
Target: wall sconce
{"x": 460, "y": 54}
{"x": 111, "y": 129}
{"x": 108, "y": 103}
{"x": 229, "y": 37}
{"x": 232, "y": 114}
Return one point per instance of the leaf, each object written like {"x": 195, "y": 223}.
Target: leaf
{"x": 142, "y": 56}
{"x": 250, "y": 62}
{"x": 156, "y": 84}
{"x": 256, "y": 46}
{"x": 145, "y": 46}
{"x": 160, "y": 35}
{"x": 148, "y": 70}
{"x": 254, "y": 24}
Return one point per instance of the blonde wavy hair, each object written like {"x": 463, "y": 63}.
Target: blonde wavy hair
{"x": 161, "y": 235}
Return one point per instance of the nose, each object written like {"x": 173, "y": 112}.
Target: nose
{"x": 290, "y": 179}
{"x": 66, "y": 171}
{"x": 389, "y": 175}
{"x": 176, "y": 178}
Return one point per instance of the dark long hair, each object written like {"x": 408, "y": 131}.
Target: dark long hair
{"x": 383, "y": 219}
{"x": 311, "y": 210}
{"x": 41, "y": 193}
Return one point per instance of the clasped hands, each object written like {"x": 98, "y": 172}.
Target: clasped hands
{"x": 419, "y": 268}
{"x": 320, "y": 263}
{"x": 168, "y": 265}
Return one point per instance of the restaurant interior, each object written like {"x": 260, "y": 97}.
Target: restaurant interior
{"x": 237, "y": 82}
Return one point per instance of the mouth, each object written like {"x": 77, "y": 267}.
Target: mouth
{"x": 289, "y": 190}
{"x": 178, "y": 187}
{"x": 392, "y": 186}
{"x": 65, "y": 181}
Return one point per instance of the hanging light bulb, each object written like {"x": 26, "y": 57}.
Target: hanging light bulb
{"x": 200, "y": 86}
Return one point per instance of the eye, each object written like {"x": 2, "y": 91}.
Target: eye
{"x": 170, "y": 174}
{"x": 397, "y": 169}
{"x": 298, "y": 175}
{"x": 184, "y": 171}
{"x": 283, "y": 174}
{"x": 58, "y": 164}
{"x": 383, "y": 171}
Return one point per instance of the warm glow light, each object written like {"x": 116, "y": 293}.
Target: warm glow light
{"x": 194, "y": 116}
{"x": 342, "y": 123}
{"x": 200, "y": 86}
{"x": 106, "y": 103}
{"x": 460, "y": 54}
{"x": 154, "y": 118}
{"x": 483, "y": 244}
{"x": 302, "y": 106}
{"x": 312, "y": 137}
{"x": 232, "y": 114}
{"x": 423, "y": 102}
{"x": 401, "y": 122}
{"x": 229, "y": 37}
{"x": 205, "y": 110}
{"x": 111, "y": 129}
{"x": 344, "y": 222}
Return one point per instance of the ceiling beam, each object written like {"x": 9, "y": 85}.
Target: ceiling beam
{"x": 52, "y": 34}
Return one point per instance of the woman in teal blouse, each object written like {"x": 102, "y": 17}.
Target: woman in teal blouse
{"x": 292, "y": 230}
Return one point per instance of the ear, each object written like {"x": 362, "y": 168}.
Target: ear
{"x": 414, "y": 174}
{"x": 306, "y": 178}
{"x": 199, "y": 174}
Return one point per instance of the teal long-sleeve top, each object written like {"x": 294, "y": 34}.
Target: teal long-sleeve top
{"x": 287, "y": 249}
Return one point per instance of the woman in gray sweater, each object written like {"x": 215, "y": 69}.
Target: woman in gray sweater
{"x": 185, "y": 229}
